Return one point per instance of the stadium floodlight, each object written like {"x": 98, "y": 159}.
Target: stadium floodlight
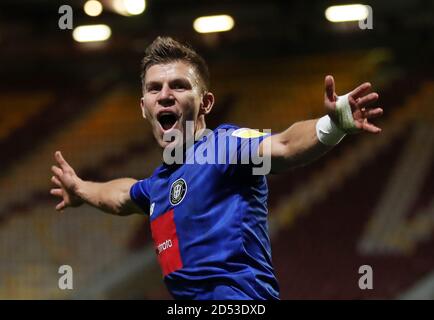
{"x": 92, "y": 8}
{"x": 91, "y": 33}
{"x": 210, "y": 24}
{"x": 350, "y": 12}
{"x": 129, "y": 7}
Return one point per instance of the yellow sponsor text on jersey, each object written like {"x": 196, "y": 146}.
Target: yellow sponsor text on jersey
{"x": 247, "y": 133}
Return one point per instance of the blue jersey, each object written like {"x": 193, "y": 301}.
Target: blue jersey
{"x": 209, "y": 220}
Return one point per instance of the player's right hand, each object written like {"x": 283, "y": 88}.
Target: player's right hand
{"x": 67, "y": 183}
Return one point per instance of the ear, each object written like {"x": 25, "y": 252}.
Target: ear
{"x": 142, "y": 105}
{"x": 207, "y": 103}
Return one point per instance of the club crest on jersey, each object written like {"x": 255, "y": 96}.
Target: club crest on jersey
{"x": 178, "y": 191}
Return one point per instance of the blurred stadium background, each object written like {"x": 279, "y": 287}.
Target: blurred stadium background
{"x": 369, "y": 202}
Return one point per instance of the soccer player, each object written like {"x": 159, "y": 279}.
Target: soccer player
{"x": 209, "y": 218}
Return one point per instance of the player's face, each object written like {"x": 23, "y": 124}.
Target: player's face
{"x": 172, "y": 95}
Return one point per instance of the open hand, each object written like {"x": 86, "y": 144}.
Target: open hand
{"x": 360, "y": 101}
{"x": 66, "y": 182}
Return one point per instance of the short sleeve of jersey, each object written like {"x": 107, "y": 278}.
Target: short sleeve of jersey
{"x": 248, "y": 141}
{"x": 140, "y": 194}
{"x": 241, "y": 147}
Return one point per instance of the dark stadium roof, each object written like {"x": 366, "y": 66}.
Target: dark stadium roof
{"x": 29, "y": 31}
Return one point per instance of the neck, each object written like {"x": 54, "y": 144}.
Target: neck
{"x": 199, "y": 127}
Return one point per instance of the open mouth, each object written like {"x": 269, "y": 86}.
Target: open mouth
{"x": 167, "y": 120}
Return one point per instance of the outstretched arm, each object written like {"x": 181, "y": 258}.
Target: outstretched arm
{"x": 112, "y": 197}
{"x": 308, "y": 140}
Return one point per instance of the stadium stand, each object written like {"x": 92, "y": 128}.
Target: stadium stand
{"x": 330, "y": 238}
{"x": 18, "y": 108}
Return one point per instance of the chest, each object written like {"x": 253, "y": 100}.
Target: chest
{"x": 188, "y": 190}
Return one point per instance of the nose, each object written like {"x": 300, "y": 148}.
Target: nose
{"x": 166, "y": 98}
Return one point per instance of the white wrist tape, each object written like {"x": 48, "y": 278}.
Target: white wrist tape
{"x": 344, "y": 114}
{"x": 328, "y": 132}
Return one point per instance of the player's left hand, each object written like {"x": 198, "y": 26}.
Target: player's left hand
{"x": 360, "y": 101}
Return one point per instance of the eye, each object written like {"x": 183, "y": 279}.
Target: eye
{"x": 153, "y": 89}
{"x": 178, "y": 86}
